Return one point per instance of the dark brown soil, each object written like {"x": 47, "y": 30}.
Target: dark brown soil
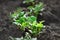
{"x": 51, "y": 14}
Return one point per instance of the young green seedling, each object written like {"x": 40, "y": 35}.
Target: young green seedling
{"x": 26, "y": 20}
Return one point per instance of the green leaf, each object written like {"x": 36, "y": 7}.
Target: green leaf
{"x": 22, "y": 19}
{"x": 39, "y": 25}
{"x": 14, "y": 15}
{"x": 28, "y": 1}
{"x": 30, "y": 7}
{"x": 21, "y": 14}
{"x": 31, "y": 19}
{"x": 25, "y": 24}
{"x": 16, "y": 23}
{"x": 38, "y": 7}
{"x": 34, "y": 23}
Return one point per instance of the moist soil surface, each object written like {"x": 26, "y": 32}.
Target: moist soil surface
{"x": 51, "y": 15}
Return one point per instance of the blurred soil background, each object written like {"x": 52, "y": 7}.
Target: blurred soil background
{"x": 51, "y": 15}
